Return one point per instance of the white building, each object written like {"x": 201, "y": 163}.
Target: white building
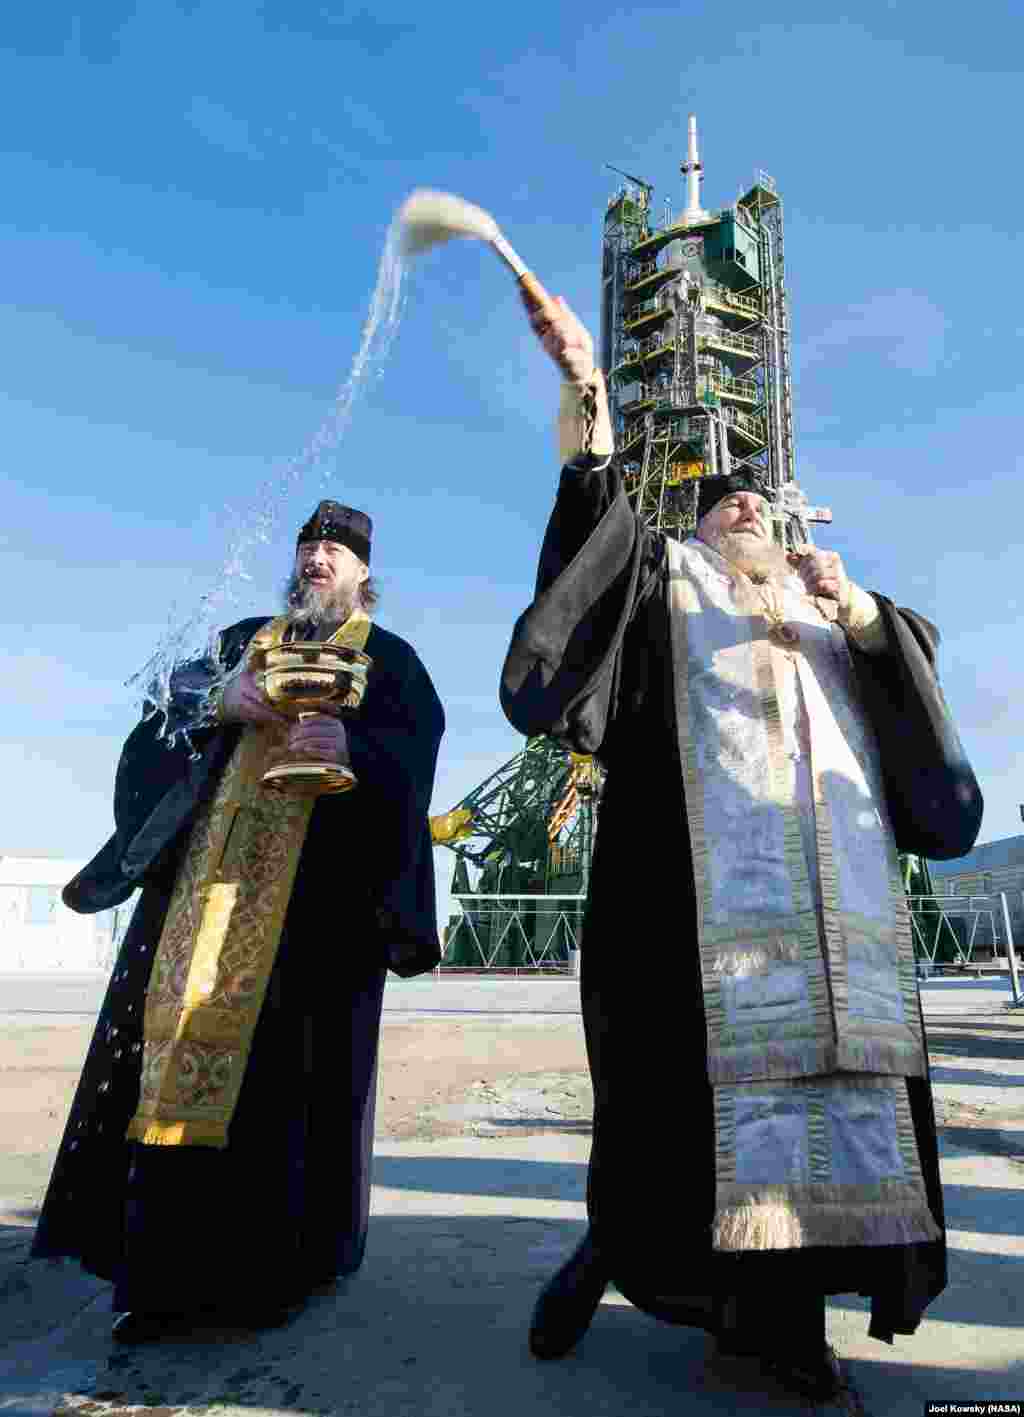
{"x": 39, "y": 934}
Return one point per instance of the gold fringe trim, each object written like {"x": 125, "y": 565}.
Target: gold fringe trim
{"x": 765, "y": 1221}
{"x": 150, "y": 1133}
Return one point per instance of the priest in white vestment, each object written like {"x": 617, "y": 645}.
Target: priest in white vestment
{"x": 773, "y": 735}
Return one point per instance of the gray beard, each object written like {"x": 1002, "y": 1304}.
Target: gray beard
{"x": 760, "y": 560}
{"x": 306, "y": 604}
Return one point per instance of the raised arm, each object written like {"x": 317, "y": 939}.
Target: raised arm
{"x": 934, "y": 800}
{"x": 589, "y": 484}
{"x": 596, "y": 564}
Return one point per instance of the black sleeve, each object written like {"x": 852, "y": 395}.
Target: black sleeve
{"x": 393, "y": 740}
{"x": 393, "y": 745}
{"x": 586, "y": 489}
{"x": 597, "y": 566}
{"x": 934, "y": 801}
{"x": 160, "y": 784}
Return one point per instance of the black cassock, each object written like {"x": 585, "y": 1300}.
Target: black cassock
{"x": 284, "y": 1207}
{"x": 590, "y": 664}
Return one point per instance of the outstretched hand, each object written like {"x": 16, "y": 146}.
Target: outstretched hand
{"x": 563, "y": 336}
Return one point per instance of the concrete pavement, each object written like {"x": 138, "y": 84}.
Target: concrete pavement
{"x": 72, "y": 996}
{"x": 466, "y": 1229}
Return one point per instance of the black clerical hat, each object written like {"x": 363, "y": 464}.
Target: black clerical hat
{"x": 713, "y": 489}
{"x": 333, "y": 522}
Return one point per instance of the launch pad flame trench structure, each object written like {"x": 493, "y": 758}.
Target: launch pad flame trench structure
{"x": 695, "y": 348}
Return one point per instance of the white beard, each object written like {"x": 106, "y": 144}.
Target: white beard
{"x": 761, "y": 560}
{"x": 306, "y": 604}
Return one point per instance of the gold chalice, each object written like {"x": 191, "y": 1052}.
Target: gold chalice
{"x": 300, "y": 680}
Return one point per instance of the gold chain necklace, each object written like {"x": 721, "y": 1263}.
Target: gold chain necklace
{"x": 771, "y": 612}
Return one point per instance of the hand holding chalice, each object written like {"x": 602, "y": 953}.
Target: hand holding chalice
{"x": 301, "y": 682}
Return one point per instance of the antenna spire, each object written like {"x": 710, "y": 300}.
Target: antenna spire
{"x": 693, "y": 170}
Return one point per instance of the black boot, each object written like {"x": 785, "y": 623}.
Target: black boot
{"x": 568, "y": 1302}
{"x": 817, "y": 1375}
{"x": 788, "y": 1341}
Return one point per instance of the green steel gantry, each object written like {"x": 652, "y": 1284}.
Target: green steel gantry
{"x": 528, "y": 830}
{"x": 695, "y": 346}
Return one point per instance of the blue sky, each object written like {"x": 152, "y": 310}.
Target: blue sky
{"x": 194, "y": 199}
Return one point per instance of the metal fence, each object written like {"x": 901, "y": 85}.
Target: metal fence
{"x": 514, "y": 933}
{"x": 542, "y": 933}
{"x": 960, "y": 931}
{"x": 950, "y": 929}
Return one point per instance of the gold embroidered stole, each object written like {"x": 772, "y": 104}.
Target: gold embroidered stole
{"x": 220, "y": 938}
{"x": 814, "y": 1137}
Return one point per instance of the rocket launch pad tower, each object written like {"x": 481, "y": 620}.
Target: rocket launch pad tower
{"x": 695, "y": 347}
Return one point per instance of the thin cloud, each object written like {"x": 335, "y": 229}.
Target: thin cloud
{"x": 901, "y": 328}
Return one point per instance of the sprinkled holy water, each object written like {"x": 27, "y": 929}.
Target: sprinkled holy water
{"x": 176, "y": 681}
{"x": 182, "y": 678}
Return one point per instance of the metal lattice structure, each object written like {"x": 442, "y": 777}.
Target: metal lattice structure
{"x": 528, "y": 832}
{"x": 503, "y": 827}
{"x": 508, "y": 932}
{"x": 695, "y": 346}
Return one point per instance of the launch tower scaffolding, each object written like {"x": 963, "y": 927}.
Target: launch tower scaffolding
{"x": 695, "y": 347}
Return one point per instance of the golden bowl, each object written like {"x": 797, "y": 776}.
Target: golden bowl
{"x": 300, "y": 678}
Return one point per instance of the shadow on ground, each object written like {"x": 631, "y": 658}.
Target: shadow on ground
{"x": 985, "y": 1141}
{"x": 942, "y": 1073}
{"x": 973, "y": 1039}
{"x": 482, "y": 1176}
{"x": 435, "y": 1325}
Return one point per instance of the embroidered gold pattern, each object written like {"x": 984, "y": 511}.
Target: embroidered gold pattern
{"x": 220, "y": 939}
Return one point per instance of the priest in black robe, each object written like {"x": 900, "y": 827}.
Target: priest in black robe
{"x": 204, "y": 1212}
{"x": 626, "y": 652}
